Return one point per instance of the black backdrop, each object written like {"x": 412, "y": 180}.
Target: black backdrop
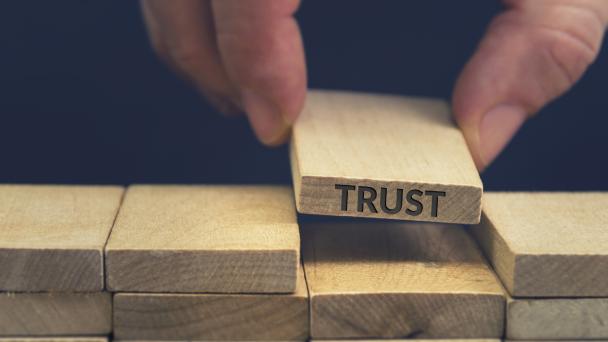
{"x": 84, "y": 100}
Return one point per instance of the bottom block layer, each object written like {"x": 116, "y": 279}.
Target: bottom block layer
{"x": 53, "y": 339}
{"x": 143, "y": 316}
{"x": 563, "y": 318}
{"x": 55, "y": 314}
{"x": 421, "y": 340}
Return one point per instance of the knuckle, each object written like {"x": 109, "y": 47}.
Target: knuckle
{"x": 570, "y": 54}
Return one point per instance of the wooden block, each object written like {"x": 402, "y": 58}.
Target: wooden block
{"x": 53, "y": 236}
{"x": 55, "y": 314}
{"x": 226, "y": 239}
{"x": 547, "y": 244}
{"x": 384, "y": 157}
{"x": 53, "y": 339}
{"x": 141, "y": 316}
{"x": 398, "y": 280}
{"x": 561, "y": 318}
{"x": 421, "y": 340}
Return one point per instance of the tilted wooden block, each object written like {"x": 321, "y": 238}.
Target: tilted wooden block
{"x": 384, "y": 157}
{"x": 560, "y": 318}
{"x": 53, "y": 236}
{"x": 215, "y": 317}
{"x": 55, "y": 314}
{"x": 397, "y": 280}
{"x": 547, "y": 244}
{"x": 224, "y": 239}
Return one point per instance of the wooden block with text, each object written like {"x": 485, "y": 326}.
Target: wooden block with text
{"x": 384, "y": 157}
{"x": 213, "y": 317}
{"x": 53, "y": 236}
{"x": 396, "y": 280}
{"x": 211, "y": 238}
{"x": 557, "y": 318}
{"x": 55, "y": 314}
{"x": 547, "y": 244}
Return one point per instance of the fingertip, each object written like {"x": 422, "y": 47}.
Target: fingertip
{"x": 295, "y": 104}
{"x": 266, "y": 119}
{"x": 468, "y": 117}
{"x": 497, "y": 128}
{"x": 487, "y": 134}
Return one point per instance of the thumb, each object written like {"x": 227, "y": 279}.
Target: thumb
{"x": 532, "y": 53}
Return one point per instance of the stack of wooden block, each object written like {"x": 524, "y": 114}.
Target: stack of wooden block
{"x": 393, "y": 158}
{"x": 224, "y": 262}
{"x": 207, "y": 263}
{"x": 551, "y": 252}
{"x": 51, "y": 260}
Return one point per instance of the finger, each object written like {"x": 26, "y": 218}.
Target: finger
{"x": 182, "y": 33}
{"x": 531, "y": 53}
{"x": 261, "y": 48}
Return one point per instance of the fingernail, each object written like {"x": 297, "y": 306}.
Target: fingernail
{"x": 497, "y": 128}
{"x": 265, "y": 118}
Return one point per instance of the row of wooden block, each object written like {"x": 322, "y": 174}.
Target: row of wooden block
{"x": 372, "y": 279}
{"x": 105, "y": 339}
{"x": 245, "y": 239}
{"x": 439, "y": 302}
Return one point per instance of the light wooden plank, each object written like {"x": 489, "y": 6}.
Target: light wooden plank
{"x": 547, "y": 244}
{"x": 141, "y": 316}
{"x": 396, "y": 280}
{"x": 384, "y": 157}
{"x": 53, "y": 236}
{"x": 55, "y": 314}
{"x": 228, "y": 239}
{"x": 561, "y": 318}
{"x": 53, "y": 339}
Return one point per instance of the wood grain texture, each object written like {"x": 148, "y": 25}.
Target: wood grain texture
{"x": 398, "y": 280}
{"x": 53, "y": 236}
{"x": 547, "y": 244}
{"x": 561, "y": 318}
{"x": 228, "y": 239}
{"x": 408, "y": 146}
{"x": 141, "y": 316}
{"x": 55, "y": 314}
{"x": 53, "y": 339}
{"x": 422, "y": 340}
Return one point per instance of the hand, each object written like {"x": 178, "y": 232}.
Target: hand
{"x": 242, "y": 55}
{"x": 532, "y": 53}
{"x": 248, "y": 55}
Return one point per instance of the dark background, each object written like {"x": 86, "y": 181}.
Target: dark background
{"x": 84, "y": 100}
